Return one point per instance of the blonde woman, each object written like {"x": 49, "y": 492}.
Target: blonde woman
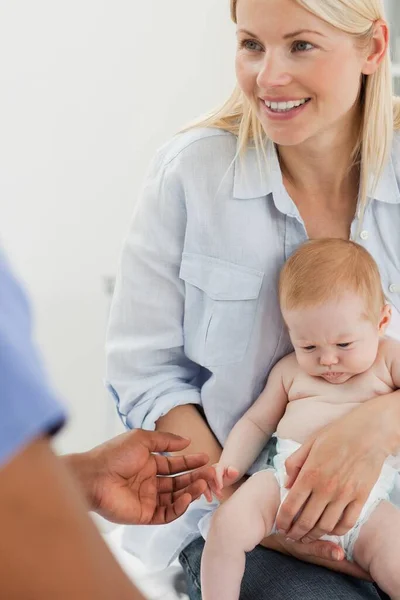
{"x": 306, "y": 147}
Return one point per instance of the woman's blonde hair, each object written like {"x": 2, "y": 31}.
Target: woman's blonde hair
{"x": 380, "y": 111}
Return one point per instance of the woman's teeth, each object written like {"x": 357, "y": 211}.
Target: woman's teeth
{"x": 285, "y": 106}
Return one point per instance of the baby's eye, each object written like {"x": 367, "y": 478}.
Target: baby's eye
{"x": 344, "y": 345}
{"x": 308, "y": 348}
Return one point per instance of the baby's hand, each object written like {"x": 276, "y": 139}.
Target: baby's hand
{"x": 224, "y": 477}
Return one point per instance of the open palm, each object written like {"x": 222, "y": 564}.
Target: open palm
{"x": 135, "y": 486}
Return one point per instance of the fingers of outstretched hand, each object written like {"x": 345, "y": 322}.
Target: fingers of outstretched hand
{"x": 170, "y": 465}
{"x": 165, "y": 513}
{"x": 175, "y": 484}
{"x": 159, "y": 441}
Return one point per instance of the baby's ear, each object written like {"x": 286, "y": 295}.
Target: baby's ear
{"x": 386, "y": 315}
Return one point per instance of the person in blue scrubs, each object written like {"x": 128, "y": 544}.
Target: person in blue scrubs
{"x": 49, "y": 547}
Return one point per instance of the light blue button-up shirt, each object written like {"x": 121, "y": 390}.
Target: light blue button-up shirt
{"x": 195, "y": 316}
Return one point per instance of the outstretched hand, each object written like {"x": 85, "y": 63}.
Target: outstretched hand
{"x": 128, "y": 482}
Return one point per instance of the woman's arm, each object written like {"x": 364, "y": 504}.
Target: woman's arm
{"x": 187, "y": 421}
{"x": 148, "y": 371}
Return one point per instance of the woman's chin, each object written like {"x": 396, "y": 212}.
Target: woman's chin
{"x": 285, "y": 136}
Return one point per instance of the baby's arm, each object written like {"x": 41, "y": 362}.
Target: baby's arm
{"x": 252, "y": 431}
{"x": 392, "y": 357}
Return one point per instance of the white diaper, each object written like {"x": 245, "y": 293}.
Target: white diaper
{"x": 380, "y": 491}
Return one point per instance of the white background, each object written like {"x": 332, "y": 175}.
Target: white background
{"x": 89, "y": 90}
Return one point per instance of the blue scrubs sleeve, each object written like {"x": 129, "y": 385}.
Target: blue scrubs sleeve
{"x": 28, "y": 406}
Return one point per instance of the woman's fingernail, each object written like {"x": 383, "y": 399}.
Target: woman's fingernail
{"x": 336, "y": 555}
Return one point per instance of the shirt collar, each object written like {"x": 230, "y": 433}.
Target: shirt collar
{"x": 253, "y": 178}
{"x": 387, "y": 189}
{"x": 256, "y": 177}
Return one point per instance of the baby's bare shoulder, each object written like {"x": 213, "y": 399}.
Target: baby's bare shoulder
{"x": 389, "y": 348}
{"x": 288, "y": 367}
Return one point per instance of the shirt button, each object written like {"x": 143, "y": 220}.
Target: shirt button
{"x": 394, "y": 289}
{"x": 364, "y": 235}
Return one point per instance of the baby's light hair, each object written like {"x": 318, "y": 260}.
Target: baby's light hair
{"x": 321, "y": 270}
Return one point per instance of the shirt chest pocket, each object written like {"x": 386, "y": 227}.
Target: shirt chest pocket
{"x": 220, "y": 307}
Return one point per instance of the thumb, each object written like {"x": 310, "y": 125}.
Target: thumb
{"x": 295, "y": 463}
{"x": 230, "y": 475}
{"x": 318, "y": 549}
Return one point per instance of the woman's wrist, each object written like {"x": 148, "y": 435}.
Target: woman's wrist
{"x": 385, "y": 415}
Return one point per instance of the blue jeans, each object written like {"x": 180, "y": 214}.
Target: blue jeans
{"x": 274, "y": 576}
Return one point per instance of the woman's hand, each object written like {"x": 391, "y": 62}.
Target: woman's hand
{"x": 331, "y": 476}
{"x": 322, "y": 553}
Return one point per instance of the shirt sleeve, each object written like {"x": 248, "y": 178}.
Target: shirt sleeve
{"x": 28, "y": 407}
{"x": 148, "y": 372}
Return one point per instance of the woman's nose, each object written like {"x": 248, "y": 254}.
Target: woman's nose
{"x": 273, "y": 73}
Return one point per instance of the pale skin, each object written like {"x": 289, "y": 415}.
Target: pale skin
{"x": 315, "y": 154}
{"x": 341, "y": 361}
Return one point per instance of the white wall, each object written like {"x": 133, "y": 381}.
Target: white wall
{"x": 89, "y": 89}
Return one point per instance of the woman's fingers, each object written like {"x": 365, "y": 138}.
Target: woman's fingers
{"x": 349, "y": 518}
{"x": 308, "y": 517}
{"x": 295, "y": 462}
{"x": 291, "y": 507}
{"x": 326, "y": 523}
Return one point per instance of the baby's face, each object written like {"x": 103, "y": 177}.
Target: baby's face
{"x": 336, "y": 340}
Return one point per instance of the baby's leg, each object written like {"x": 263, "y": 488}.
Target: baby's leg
{"x": 237, "y": 527}
{"x": 377, "y": 549}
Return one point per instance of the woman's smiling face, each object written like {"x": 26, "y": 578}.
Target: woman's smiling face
{"x": 302, "y": 75}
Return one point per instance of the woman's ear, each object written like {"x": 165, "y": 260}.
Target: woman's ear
{"x": 386, "y": 315}
{"x": 379, "y": 47}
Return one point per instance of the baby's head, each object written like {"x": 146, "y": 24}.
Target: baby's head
{"x": 333, "y": 304}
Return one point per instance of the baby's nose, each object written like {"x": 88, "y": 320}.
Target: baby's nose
{"x": 329, "y": 359}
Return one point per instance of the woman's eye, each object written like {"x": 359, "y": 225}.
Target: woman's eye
{"x": 302, "y": 46}
{"x": 308, "y": 348}
{"x": 345, "y": 345}
{"x": 250, "y": 45}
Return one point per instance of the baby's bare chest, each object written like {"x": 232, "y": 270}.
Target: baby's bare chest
{"x": 357, "y": 389}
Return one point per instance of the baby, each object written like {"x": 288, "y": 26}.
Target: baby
{"x": 333, "y": 305}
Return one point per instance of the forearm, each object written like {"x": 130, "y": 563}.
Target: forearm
{"x": 187, "y": 421}
{"x": 385, "y": 412}
{"x": 244, "y": 444}
{"x": 45, "y": 528}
